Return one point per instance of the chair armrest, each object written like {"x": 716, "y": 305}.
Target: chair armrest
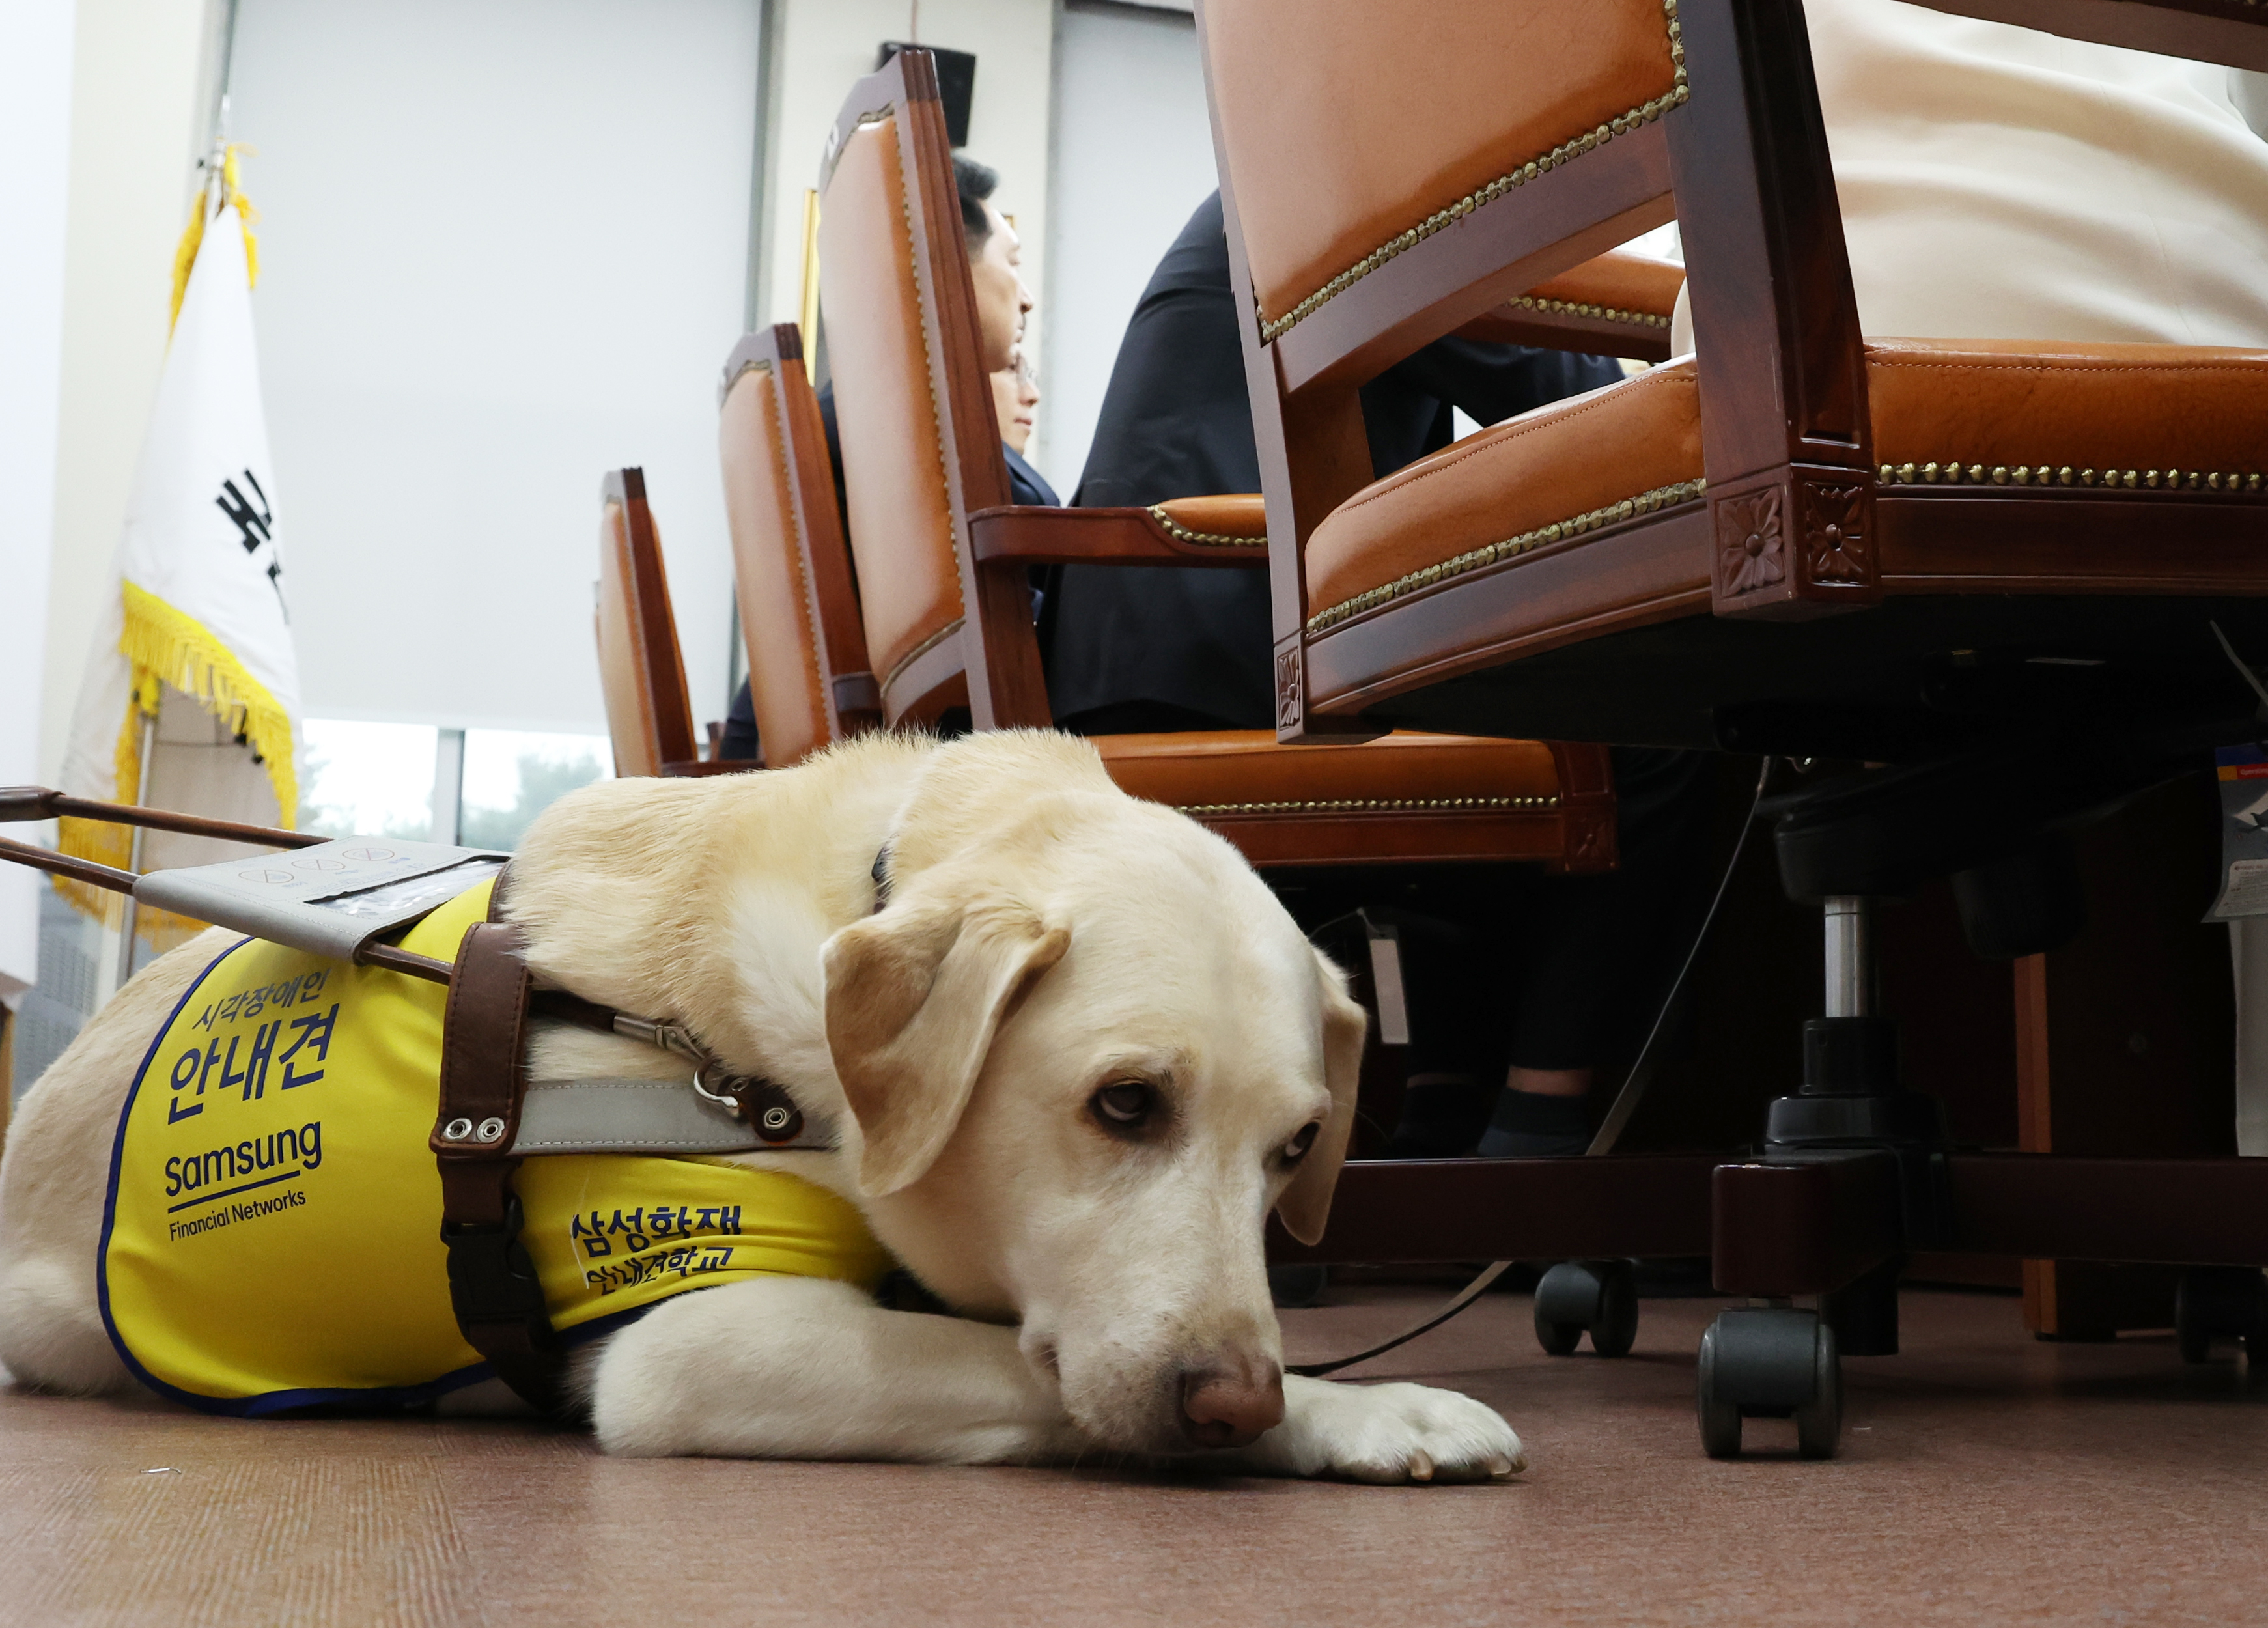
{"x": 2168, "y": 28}
{"x": 1004, "y": 541}
{"x": 1026, "y": 534}
{"x": 1618, "y": 304}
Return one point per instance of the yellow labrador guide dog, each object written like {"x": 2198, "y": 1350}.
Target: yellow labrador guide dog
{"x": 1068, "y": 1050}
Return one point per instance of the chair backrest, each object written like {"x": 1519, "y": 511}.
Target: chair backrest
{"x": 640, "y": 668}
{"x": 1353, "y": 132}
{"x": 921, "y": 446}
{"x": 1551, "y": 129}
{"x": 807, "y": 672}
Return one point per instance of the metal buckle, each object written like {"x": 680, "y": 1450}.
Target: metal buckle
{"x": 668, "y": 1036}
{"x": 491, "y": 1280}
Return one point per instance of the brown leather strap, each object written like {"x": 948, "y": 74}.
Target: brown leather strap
{"x": 492, "y": 1282}
{"x": 565, "y": 1008}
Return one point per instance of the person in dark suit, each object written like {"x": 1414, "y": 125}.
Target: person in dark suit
{"x": 1002, "y": 303}
{"x": 1529, "y": 980}
{"x": 1157, "y": 647}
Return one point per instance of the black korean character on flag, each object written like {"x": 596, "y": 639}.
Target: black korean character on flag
{"x": 255, "y": 525}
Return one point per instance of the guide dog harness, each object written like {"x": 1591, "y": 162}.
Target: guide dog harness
{"x": 298, "y": 1125}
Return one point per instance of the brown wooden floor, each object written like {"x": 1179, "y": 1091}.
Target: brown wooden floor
{"x": 1985, "y": 1479}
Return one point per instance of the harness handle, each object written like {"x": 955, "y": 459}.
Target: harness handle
{"x": 38, "y": 802}
{"x": 493, "y": 1288}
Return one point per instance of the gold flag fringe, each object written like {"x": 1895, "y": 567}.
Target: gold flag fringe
{"x": 165, "y": 646}
{"x": 182, "y": 651}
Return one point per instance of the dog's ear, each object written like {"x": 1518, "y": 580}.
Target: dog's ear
{"x": 1306, "y": 1202}
{"x": 913, "y": 998}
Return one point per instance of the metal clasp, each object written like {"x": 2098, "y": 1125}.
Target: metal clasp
{"x": 668, "y": 1036}
{"x": 760, "y": 1104}
{"x": 730, "y": 1104}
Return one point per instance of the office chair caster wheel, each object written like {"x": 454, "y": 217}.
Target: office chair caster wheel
{"x": 1769, "y": 1362}
{"x": 1819, "y": 1422}
{"x": 2220, "y": 1302}
{"x": 1597, "y": 1297}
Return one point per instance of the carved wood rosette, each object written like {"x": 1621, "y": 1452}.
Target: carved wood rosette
{"x": 1588, "y": 844}
{"x": 1291, "y": 688}
{"x": 1794, "y": 544}
{"x": 1295, "y": 725}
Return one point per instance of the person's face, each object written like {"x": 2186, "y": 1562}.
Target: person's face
{"x": 1001, "y": 297}
{"x": 1015, "y": 394}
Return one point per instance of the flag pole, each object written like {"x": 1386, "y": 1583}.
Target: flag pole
{"x": 212, "y": 196}
{"x": 130, "y": 922}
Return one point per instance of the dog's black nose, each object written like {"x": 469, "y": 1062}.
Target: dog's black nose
{"x": 1232, "y": 1404}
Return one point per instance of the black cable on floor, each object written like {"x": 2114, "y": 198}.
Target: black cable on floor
{"x": 1610, "y": 1129}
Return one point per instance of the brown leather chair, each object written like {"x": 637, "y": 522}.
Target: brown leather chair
{"x": 1601, "y": 566}
{"x": 641, "y": 672}
{"x": 934, "y": 536}
{"x": 807, "y": 671}
{"x": 2001, "y": 569}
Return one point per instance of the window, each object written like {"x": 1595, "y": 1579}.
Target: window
{"x": 367, "y": 779}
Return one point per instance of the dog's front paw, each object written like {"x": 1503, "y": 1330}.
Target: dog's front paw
{"x": 1388, "y": 1434}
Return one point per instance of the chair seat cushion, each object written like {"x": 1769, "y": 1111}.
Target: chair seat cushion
{"x": 1562, "y": 469}
{"x": 1945, "y": 410}
{"x": 1405, "y": 796}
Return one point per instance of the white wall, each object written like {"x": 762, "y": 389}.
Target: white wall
{"x": 454, "y": 190}
{"x": 137, "y": 122}
{"x": 1133, "y": 157}
{"x": 825, "y": 45}
{"x": 36, "y": 89}
{"x": 503, "y": 248}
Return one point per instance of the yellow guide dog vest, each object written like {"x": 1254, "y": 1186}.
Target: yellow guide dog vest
{"x": 271, "y": 1236}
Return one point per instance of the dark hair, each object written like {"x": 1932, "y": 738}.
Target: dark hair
{"x": 975, "y": 182}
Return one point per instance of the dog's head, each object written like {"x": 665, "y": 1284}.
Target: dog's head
{"x": 1086, "y": 1055}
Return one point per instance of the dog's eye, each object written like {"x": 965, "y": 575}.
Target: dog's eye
{"x": 1126, "y": 1103}
{"x": 1296, "y": 1149}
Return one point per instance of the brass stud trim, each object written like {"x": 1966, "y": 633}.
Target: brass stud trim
{"x": 951, "y": 629}
{"x": 1958, "y": 474}
{"x": 1202, "y": 539}
{"x": 1645, "y": 113}
{"x": 928, "y": 354}
{"x": 1494, "y": 553}
{"x": 1596, "y": 313}
{"x": 1399, "y": 805}
{"x": 805, "y": 598}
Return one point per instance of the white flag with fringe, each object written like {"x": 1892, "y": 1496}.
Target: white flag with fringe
{"x": 195, "y": 636}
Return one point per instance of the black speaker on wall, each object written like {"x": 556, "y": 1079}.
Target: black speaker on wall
{"x": 956, "y": 83}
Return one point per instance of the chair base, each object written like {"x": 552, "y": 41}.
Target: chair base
{"x": 1853, "y": 1176}
{"x": 1919, "y": 676}
{"x": 1830, "y": 1227}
